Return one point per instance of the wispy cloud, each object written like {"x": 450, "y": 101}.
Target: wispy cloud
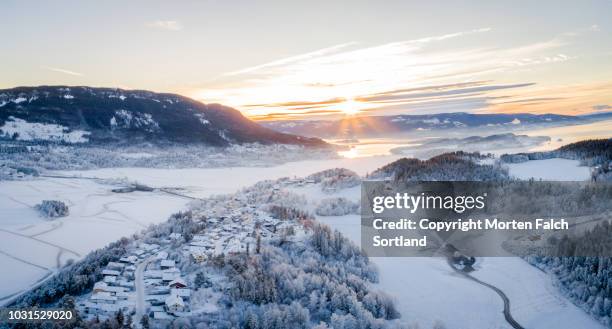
{"x": 288, "y": 60}
{"x": 60, "y": 70}
{"x": 168, "y": 25}
{"x": 449, "y": 35}
{"x": 439, "y": 93}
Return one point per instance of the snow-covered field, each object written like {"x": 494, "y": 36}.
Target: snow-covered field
{"x": 33, "y": 247}
{"x": 550, "y": 169}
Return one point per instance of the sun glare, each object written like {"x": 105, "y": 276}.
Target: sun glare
{"x": 350, "y": 106}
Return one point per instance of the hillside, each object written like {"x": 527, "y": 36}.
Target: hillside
{"x": 78, "y": 115}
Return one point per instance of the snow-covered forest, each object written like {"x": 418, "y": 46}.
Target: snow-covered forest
{"x": 28, "y": 157}
{"x": 586, "y": 281}
{"x": 446, "y": 167}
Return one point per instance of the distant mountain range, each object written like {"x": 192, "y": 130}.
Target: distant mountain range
{"x": 395, "y": 124}
{"x": 79, "y": 115}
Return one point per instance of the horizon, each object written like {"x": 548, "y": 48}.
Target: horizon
{"x": 367, "y": 59}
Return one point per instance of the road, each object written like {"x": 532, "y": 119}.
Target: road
{"x": 505, "y": 299}
{"x": 140, "y": 289}
{"x": 449, "y": 251}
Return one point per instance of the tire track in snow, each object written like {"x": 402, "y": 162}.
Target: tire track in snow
{"x": 42, "y": 241}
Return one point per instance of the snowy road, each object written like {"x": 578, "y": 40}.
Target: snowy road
{"x": 507, "y": 313}
{"x": 140, "y": 289}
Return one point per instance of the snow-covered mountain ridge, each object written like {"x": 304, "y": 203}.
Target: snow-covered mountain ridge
{"x": 108, "y": 115}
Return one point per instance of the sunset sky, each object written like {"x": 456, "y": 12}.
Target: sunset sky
{"x": 322, "y": 59}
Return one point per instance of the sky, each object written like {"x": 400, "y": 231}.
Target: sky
{"x": 322, "y": 59}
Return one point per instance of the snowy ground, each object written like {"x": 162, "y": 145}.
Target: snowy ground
{"x": 33, "y": 247}
{"x": 550, "y": 169}
{"x": 428, "y": 290}
{"x": 419, "y": 283}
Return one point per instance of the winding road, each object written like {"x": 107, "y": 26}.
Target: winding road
{"x": 507, "y": 314}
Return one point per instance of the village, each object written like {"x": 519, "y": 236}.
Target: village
{"x": 148, "y": 282}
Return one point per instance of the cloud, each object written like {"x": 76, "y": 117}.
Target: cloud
{"x": 449, "y": 35}
{"x": 532, "y": 100}
{"x": 333, "y": 49}
{"x": 602, "y": 107}
{"x": 64, "y": 71}
{"x": 391, "y": 76}
{"x": 299, "y": 103}
{"x": 449, "y": 92}
{"x": 291, "y": 59}
{"x": 166, "y": 25}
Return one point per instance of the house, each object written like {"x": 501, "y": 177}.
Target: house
{"x": 198, "y": 255}
{"x": 103, "y": 297}
{"x": 138, "y": 252}
{"x": 168, "y": 277}
{"x": 125, "y": 284}
{"x": 174, "y": 303}
{"x": 175, "y": 236}
{"x": 115, "y": 266}
{"x": 153, "y": 274}
{"x": 111, "y": 272}
{"x": 167, "y": 263}
{"x": 122, "y": 295}
{"x": 156, "y": 309}
{"x": 159, "y": 291}
{"x": 177, "y": 283}
{"x": 102, "y": 286}
{"x": 162, "y": 316}
{"x": 156, "y": 299}
{"x": 149, "y": 246}
{"x": 109, "y": 279}
{"x": 128, "y": 260}
{"x": 185, "y": 294}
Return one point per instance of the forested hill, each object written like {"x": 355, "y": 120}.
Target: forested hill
{"x": 595, "y": 153}
{"x": 78, "y": 115}
{"x": 598, "y": 150}
{"x": 455, "y": 166}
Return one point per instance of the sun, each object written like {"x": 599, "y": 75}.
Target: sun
{"x": 350, "y": 106}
